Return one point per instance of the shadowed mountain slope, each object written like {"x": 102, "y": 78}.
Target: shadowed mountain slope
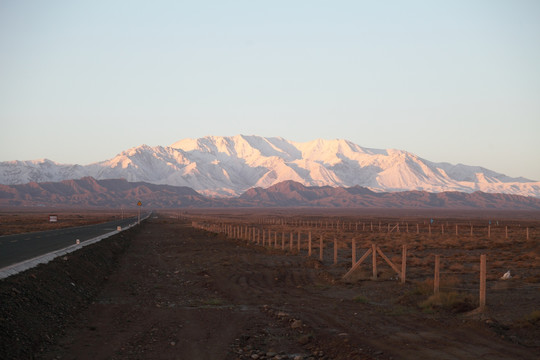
{"x": 114, "y": 193}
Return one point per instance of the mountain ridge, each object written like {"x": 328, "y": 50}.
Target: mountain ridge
{"x": 88, "y": 192}
{"x": 229, "y": 166}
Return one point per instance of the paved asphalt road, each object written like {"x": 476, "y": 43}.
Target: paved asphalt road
{"x": 21, "y": 247}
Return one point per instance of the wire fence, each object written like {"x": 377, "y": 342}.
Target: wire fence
{"x": 340, "y": 242}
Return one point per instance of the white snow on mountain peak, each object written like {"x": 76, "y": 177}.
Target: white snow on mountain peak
{"x": 228, "y": 166}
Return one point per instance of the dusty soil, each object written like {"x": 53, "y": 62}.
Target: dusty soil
{"x": 169, "y": 291}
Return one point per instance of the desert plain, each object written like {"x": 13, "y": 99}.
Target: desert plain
{"x": 200, "y": 284}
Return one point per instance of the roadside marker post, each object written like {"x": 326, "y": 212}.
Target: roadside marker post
{"x": 139, "y": 204}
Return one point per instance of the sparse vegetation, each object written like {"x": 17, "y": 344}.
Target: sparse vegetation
{"x": 360, "y": 299}
{"x": 449, "y": 301}
{"x": 534, "y": 317}
{"x": 291, "y": 276}
{"x": 213, "y": 302}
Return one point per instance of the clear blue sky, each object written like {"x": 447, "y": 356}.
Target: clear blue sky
{"x": 454, "y": 81}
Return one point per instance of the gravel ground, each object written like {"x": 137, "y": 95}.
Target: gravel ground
{"x": 167, "y": 291}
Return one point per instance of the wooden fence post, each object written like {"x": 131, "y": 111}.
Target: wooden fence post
{"x": 353, "y": 250}
{"x": 283, "y": 240}
{"x": 374, "y": 260}
{"x": 291, "y": 241}
{"x": 456, "y": 230}
{"x": 482, "y": 281}
{"x": 335, "y": 251}
{"x": 263, "y": 239}
{"x": 404, "y": 264}
{"x": 436, "y": 280}
{"x": 506, "y": 231}
{"x": 321, "y": 248}
{"x": 417, "y": 229}
{"x": 471, "y": 230}
{"x": 309, "y": 244}
{"x": 275, "y": 240}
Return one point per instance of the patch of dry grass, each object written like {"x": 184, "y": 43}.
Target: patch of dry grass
{"x": 450, "y": 301}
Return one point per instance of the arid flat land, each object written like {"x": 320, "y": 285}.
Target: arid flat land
{"x": 168, "y": 290}
{"x": 16, "y": 221}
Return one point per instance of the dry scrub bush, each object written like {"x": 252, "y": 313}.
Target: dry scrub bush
{"x": 361, "y": 299}
{"x": 534, "y": 317}
{"x": 450, "y": 301}
{"x": 424, "y": 287}
{"x": 531, "y": 320}
{"x": 448, "y": 298}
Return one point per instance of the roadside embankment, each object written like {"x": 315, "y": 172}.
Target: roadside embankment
{"x": 37, "y": 304}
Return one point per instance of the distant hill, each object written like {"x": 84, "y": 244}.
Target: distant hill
{"x": 114, "y": 193}
{"x": 229, "y": 166}
{"x": 89, "y": 192}
{"x": 290, "y": 193}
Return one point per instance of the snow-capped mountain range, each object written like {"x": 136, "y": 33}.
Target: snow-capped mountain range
{"x": 228, "y": 166}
